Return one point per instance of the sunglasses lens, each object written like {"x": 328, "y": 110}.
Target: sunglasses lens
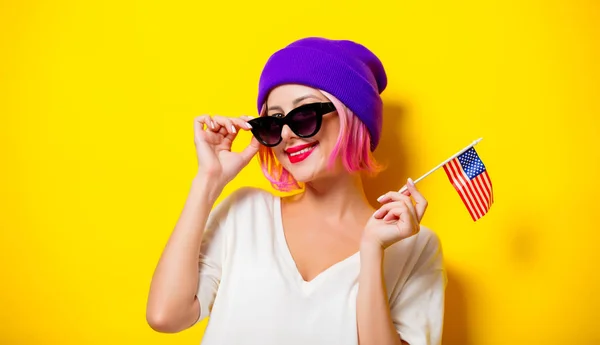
{"x": 304, "y": 122}
{"x": 267, "y": 130}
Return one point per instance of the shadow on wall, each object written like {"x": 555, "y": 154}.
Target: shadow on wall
{"x": 391, "y": 153}
{"x": 456, "y": 325}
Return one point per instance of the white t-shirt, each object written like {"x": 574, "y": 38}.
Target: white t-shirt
{"x": 253, "y": 293}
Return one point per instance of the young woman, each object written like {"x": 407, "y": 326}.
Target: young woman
{"x": 317, "y": 267}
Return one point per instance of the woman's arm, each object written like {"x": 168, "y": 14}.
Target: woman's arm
{"x": 172, "y": 303}
{"x": 397, "y": 219}
{"x": 375, "y": 326}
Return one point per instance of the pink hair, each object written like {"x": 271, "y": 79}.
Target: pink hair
{"x": 353, "y": 138}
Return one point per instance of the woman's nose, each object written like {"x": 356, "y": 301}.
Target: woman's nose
{"x": 287, "y": 133}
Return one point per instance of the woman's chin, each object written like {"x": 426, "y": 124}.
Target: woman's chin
{"x": 302, "y": 172}
{"x": 309, "y": 171}
{"x": 303, "y": 176}
{"x": 312, "y": 175}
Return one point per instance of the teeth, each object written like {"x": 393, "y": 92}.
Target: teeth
{"x": 302, "y": 151}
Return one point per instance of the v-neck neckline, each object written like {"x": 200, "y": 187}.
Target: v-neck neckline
{"x": 305, "y": 286}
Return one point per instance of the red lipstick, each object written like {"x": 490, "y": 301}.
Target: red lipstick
{"x": 299, "y": 153}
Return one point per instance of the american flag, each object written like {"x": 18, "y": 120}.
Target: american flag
{"x": 472, "y": 182}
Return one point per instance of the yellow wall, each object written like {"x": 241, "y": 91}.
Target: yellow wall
{"x": 97, "y": 154}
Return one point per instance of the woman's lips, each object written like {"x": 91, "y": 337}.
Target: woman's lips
{"x": 299, "y": 153}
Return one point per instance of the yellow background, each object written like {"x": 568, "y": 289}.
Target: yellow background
{"x": 96, "y": 146}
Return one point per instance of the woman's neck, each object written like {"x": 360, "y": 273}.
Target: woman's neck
{"x": 337, "y": 197}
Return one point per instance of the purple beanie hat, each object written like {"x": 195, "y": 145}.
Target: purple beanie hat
{"x": 343, "y": 68}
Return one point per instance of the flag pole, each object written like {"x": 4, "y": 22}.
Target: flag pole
{"x": 444, "y": 162}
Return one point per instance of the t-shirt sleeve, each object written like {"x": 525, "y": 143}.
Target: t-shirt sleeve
{"x": 212, "y": 255}
{"x": 418, "y": 309}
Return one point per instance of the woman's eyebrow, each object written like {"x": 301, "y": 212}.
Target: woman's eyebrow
{"x": 301, "y": 98}
{"x": 275, "y": 108}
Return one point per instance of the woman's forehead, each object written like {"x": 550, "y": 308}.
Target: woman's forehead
{"x": 292, "y": 94}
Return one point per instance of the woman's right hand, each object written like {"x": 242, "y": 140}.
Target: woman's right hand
{"x": 213, "y": 138}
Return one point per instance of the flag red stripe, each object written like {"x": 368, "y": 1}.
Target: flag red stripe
{"x": 460, "y": 185}
{"x": 468, "y": 188}
{"x": 482, "y": 192}
{"x": 458, "y": 189}
{"x": 454, "y": 166}
{"x": 488, "y": 183}
{"x": 487, "y": 192}
{"x": 482, "y": 185}
{"x": 477, "y": 195}
{"x": 454, "y": 182}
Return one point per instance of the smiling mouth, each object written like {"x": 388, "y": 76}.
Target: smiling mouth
{"x": 310, "y": 148}
{"x": 299, "y": 156}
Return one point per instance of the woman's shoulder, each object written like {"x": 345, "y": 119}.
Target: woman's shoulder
{"x": 246, "y": 198}
{"x": 421, "y": 250}
{"x": 247, "y": 194}
{"x": 428, "y": 250}
{"x": 428, "y": 247}
{"x": 240, "y": 206}
{"x": 428, "y": 240}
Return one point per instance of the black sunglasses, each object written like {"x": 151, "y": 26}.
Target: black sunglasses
{"x": 305, "y": 121}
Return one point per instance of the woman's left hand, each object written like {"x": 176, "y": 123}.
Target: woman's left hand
{"x": 398, "y": 218}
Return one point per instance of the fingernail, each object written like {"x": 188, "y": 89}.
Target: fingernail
{"x": 212, "y": 124}
{"x": 233, "y": 128}
{"x": 411, "y": 181}
{"x": 248, "y": 125}
{"x": 381, "y": 198}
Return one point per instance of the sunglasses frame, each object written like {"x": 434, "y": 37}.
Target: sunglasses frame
{"x": 320, "y": 108}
